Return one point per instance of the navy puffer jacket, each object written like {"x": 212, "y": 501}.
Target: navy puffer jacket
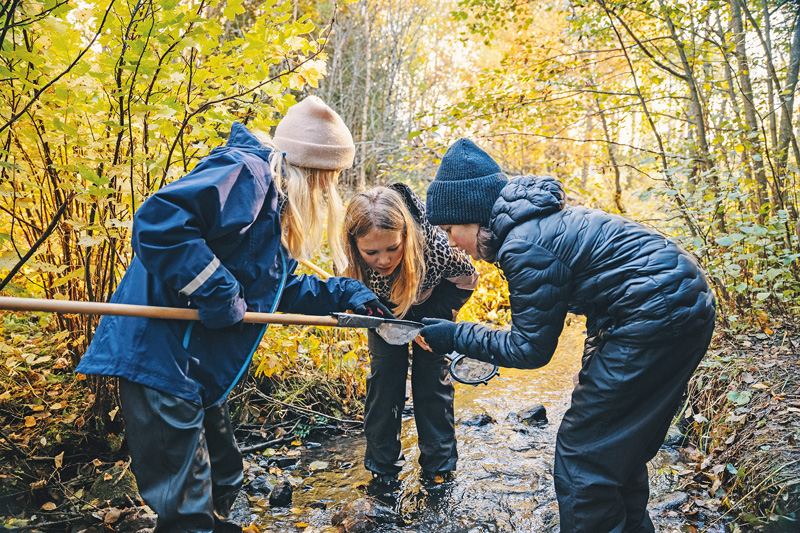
{"x": 632, "y": 283}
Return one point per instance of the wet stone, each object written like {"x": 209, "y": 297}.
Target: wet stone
{"x": 482, "y": 419}
{"x": 261, "y": 484}
{"x": 240, "y": 513}
{"x": 364, "y": 515}
{"x": 665, "y": 502}
{"x": 675, "y": 437}
{"x": 533, "y": 416}
{"x": 283, "y": 462}
{"x": 281, "y": 495}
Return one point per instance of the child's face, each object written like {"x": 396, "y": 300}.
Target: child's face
{"x": 465, "y": 237}
{"x": 382, "y": 250}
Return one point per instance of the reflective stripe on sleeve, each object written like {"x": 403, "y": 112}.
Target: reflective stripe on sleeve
{"x": 201, "y": 278}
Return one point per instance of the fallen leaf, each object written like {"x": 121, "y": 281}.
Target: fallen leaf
{"x": 49, "y": 506}
{"x": 112, "y": 515}
{"x": 59, "y": 460}
{"x": 318, "y": 465}
{"x": 30, "y": 421}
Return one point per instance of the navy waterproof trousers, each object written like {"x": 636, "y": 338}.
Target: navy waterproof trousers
{"x": 187, "y": 465}
{"x": 432, "y": 392}
{"x": 620, "y": 413}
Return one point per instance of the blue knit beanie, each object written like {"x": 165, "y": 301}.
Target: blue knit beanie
{"x": 466, "y": 186}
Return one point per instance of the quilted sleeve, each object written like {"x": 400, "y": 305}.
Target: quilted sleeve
{"x": 539, "y": 286}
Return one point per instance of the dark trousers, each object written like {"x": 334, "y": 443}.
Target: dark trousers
{"x": 621, "y": 410}
{"x": 432, "y": 392}
{"x": 185, "y": 459}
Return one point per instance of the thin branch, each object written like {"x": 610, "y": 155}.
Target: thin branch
{"x": 39, "y": 241}
{"x": 41, "y": 90}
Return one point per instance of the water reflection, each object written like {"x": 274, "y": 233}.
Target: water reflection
{"x": 504, "y": 480}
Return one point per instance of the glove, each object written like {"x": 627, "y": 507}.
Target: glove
{"x": 373, "y": 307}
{"x": 440, "y": 334}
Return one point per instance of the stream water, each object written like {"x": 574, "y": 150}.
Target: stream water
{"x": 504, "y": 479}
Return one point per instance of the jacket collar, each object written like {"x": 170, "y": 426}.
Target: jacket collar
{"x": 241, "y": 138}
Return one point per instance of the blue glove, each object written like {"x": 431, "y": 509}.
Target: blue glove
{"x": 440, "y": 334}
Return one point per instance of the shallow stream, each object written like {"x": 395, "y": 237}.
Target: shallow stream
{"x": 504, "y": 479}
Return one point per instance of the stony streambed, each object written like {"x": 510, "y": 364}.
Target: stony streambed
{"x": 504, "y": 479}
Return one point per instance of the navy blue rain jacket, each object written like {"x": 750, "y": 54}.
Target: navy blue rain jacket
{"x": 633, "y": 284}
{"x": 212, "y": 241}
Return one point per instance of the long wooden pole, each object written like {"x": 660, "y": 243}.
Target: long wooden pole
{"x": 146, "y": 311}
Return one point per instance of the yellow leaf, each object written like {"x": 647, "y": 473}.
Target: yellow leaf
{"x": 49, "y": 506}
{"x": 30, "y": 421}
{"x": 250, "y": 529}
{"x": 301, "y": 524}
{"x": 38, "y": 408}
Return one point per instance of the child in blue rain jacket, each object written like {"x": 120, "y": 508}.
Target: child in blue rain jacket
{"x": 212, "y": 240}
{"x": 649, "y": 319}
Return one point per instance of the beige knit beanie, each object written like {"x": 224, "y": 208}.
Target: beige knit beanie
{"x": 314, "y": 136}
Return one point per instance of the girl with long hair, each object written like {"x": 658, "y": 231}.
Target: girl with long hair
{"x": 409, "y": 265}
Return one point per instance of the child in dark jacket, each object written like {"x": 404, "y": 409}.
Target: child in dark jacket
{"x": 649, "y": 319}
{"x": 222, "y": 240}
{"x": 408, "y": 263}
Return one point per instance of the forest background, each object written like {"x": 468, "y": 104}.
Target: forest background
{"x": 678, "y": 114}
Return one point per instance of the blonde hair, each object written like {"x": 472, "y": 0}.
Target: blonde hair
{"x": 311, "y": 201}
{"x": 382, "y": 208}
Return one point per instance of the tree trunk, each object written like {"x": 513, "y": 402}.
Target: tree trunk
{"x": 785, "y": 134}
{"x": 362, "y": 167}
{"x": 750, "y": 114}
{"x": 611, "y": 157}
{"x": 696, "y": 117}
